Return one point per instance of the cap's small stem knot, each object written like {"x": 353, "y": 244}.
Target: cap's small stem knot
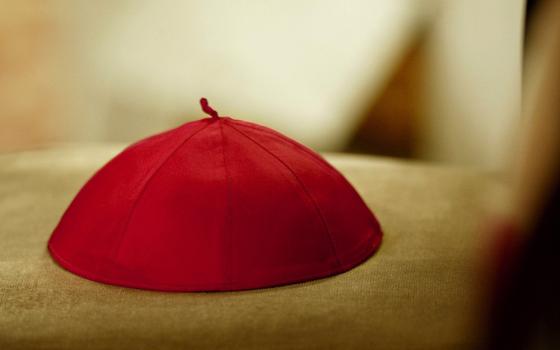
{"x": 207, "y": 109}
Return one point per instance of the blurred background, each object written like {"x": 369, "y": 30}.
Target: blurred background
{"x": 426, "y": 79}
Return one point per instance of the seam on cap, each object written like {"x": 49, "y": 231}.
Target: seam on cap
{"x": 305, "y": 189}
{"x": 145, "y": 186}
{"x": 229, "y": 242}
{"x": 315, "y": 158}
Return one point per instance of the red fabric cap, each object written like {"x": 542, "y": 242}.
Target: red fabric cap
{"x": 214, "y": 205}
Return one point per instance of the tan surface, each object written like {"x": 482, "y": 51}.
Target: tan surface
{"x": 417, "y": 292}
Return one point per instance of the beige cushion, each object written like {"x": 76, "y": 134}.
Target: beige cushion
{"x": 419, "y": 291}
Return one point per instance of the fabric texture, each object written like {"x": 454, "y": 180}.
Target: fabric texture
{"x": 214, "y": 205}
{"x": 419, "y": 291}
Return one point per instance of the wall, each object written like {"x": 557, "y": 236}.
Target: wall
{"x": 471, "y": 101}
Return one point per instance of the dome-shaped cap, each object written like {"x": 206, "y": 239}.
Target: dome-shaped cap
{"x": 213, "y": 205}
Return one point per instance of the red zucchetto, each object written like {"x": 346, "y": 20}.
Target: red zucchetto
{"x": 216, "y": 204}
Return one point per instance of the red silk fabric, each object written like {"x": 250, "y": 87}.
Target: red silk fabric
{"x": 214, "y": 205}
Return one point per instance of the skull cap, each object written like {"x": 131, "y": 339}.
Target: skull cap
{"x": 217, "y": 204}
